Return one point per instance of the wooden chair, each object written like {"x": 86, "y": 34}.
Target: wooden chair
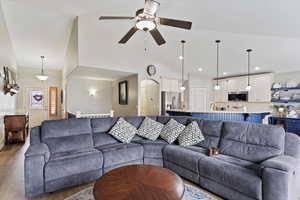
{"x": 16, "y": 124}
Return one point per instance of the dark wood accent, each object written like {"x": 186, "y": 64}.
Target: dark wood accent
{"x": 139, "y": 182}
{"x": 242, "y": 75}
{"x": 17, "y": 125}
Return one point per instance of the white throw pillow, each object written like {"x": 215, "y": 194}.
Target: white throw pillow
{"x": 171, "y": 131}
{"x": 150, "y": 129}
{"x": 123, "y": 131}
{"x": 191, "y": 135}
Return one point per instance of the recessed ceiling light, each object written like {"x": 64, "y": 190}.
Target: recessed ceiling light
{"x": 257, "y": 68}
{"x": 200, "y": 69}
{"x": 224, "y": 73}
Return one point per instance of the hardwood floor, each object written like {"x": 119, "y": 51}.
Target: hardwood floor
{"x": 12, "y": 176}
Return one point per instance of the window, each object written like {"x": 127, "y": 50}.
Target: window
{"x": 53, "y": 101}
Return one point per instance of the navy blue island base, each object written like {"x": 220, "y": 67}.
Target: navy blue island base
{"x": 224, "y": 116}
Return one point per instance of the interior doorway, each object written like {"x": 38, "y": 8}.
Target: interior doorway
{"x": 150, "y": 91}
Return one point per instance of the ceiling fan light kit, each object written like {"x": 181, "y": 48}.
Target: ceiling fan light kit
{"x": 147, "y": 20}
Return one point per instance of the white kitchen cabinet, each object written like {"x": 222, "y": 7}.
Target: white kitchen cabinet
{"x": 238, "y": 84}
{"x": 221, "y": 95}
{"x": 169, "y": 85}
{"x": 260, "y": 91}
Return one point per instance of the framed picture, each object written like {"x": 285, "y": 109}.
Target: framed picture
{"x": 123, "y": 93}
{"x": 37, "y": 99}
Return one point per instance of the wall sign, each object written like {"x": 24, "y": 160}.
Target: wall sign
{"x": 37, "y": 99}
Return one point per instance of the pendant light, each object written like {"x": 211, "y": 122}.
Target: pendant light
{"x": 217, "y": 86}
{"x": 42, "y": 76}
{"x": 248, "y": 88}
{"x": 182, "y": 88}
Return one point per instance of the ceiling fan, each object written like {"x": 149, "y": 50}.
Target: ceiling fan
{"x": 147, "y": 20}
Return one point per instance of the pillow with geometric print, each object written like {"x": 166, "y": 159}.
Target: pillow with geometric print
{"x": 123, "y": 131}
{"x": 191, "y": 135}
{"x": 171, "y": 131}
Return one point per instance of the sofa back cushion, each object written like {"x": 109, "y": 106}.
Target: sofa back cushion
{"x": 252, "y": 142}
{"x": 67, "y": 135}
{"x": 165, "y": 119}
{"x": 211, "y": 130}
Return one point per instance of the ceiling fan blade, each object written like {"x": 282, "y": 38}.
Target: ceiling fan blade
{"x": 157, "y": 37}
{"x": 128, "y": 35}
{"x": 115, "y": 18}
{"x": 151, "y": 7}
{"x": 176, "y": 23}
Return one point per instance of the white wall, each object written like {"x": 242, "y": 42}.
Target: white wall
{"x": 28, "y": 82}
{"x": 7, "y": 58}
{"x": 80, "y": 100}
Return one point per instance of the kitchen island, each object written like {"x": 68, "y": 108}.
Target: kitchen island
{"x": 252, "y": 117}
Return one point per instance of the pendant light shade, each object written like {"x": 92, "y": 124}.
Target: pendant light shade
{"x": 182, "y": 88}
{"x": 217, "y": 86}
{"x": 248, "y": 87}
{"x": 42, "y": 76}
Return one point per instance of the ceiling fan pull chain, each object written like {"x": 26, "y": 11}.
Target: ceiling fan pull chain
{"x": 145, "y": 42}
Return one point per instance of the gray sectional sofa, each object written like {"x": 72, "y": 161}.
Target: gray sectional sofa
{"x": 256, "y": 162}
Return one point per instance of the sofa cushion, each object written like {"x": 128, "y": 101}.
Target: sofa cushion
{"x": 153, "y": 149}
{"x": 103, "y": 125}
{"x": 101, "y": 139}
{"x": 190, "y": 135}
{"x": 67, "y": 135}
{"x": 171, "y": 131}
{"x": 236, "y": 177}
{"x": 115, "y": 154}
{"x": 150, "y": 129}
{"x": 123, "y": 131}
{"x": 184, "y": 157}
{"x": 253, "y": 142}
{"x": 70, "y": 163}
{"x": 211, "y": 130}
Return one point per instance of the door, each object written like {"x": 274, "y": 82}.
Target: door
{"x": 198, "y": 99}
{"x": 150, "y": 98}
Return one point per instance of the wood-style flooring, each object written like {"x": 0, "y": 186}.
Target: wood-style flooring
{"x": 12, "y": 176}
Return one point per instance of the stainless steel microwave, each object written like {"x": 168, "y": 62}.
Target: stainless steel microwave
{"x": 238, "y": 96}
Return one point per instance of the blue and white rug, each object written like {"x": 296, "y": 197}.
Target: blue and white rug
{"x": 191, "y": 193}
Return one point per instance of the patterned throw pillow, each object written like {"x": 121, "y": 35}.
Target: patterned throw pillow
{"x": 123, "y": 131}
{"x": 150, "y": 129}
{"x": 191, "y": 135}
{"x": 171, "y": 131}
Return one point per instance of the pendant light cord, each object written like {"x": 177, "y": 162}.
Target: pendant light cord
{"x": 249, "y": 51}
{"x": 218, "y": 54}
{"x": 182, "y": 63}
{"x": 42, "y": 57}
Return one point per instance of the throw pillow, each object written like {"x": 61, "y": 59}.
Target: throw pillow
{"x": 150, "y": 129}
{"x": 171, "y": 131}
{"x": 191, "y": 135}
{"x": 123, "y": 131}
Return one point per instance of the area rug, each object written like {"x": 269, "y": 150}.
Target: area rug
{"x": 191, "y": 193}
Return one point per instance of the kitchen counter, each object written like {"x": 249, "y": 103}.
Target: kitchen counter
{"x": 252, "y": 117}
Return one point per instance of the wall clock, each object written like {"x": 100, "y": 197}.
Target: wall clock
{"x": 151, "y": 70}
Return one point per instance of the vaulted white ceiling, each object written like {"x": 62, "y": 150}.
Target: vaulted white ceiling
{"x": 270, "y": 27}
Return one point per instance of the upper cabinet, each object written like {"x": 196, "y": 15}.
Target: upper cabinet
{"x": 260, "y": 91}
{"x": 169, "y": 85}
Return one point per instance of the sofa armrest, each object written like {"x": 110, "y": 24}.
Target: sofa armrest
{"x": 40, "y": 149}
{"x": 280, "y": 176}
{"x": 35, "y": 135}
{"x": 36, "y": 157}
{"x": 283, "y": 163}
